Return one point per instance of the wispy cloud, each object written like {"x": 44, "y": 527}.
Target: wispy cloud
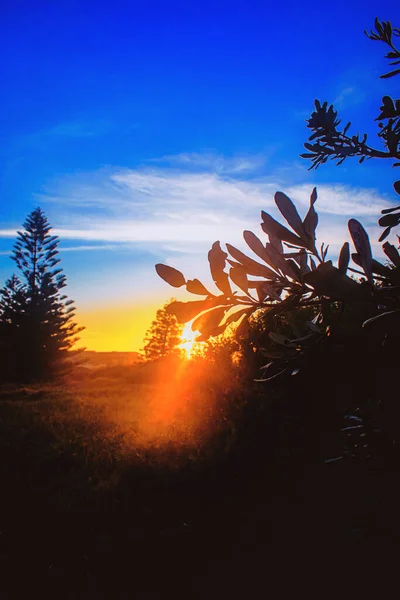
{"x": 348, "y": 96}
{"x": 168, "y": 210}
{"x": 216, "y": 163}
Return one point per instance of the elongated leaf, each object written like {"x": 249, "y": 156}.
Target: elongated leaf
{"x": 217, "y": 259}
{"x": 170, "y": 275}
{"x": 389, "y": 220}
{"x": 278, "y": 260}
{"x": 239, "y": 278}
{"x": 392, "y": 253}
{"x": 209, "y": 320}
{"x": 362, "y": 245}
{"x": 295, "y": 268}
{"x": 272, "y": 227}
{"x": 242, "y": 328}
{"x": 377, "y": 267}
{"x": 238, "y": 314}
{"x": 302, "y": 261}
{"x": 330, "y": 282}
{"x": 203, "y": 337}
{"x": 392, "y": 316}
{"x": 391, "y": 74}
{"x": 344, "y": 258}
{"x": 266, "y": 289}
{"x": 289, "y": 211}
{"x": 194, "y": 286}
{"x": 311, "y": 221}
{"x": 256, "y": 245}
{"x": 186, "y": 311}
{"x": 396, "y": 186}
{"x": 252, "y": 267}
{"x": 384, "y": 235}
{"x": 276, "y": 242}
{"x": 386, "y": 211}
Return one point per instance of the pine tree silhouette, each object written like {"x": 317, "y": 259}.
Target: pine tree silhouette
{"x": 163, "y": 336}
{"x": 37, "y": 327}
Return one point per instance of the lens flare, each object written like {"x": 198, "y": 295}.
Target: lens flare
{"x": 189, "y": 345}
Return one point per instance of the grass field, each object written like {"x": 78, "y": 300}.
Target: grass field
{"x": 114, "y": 488}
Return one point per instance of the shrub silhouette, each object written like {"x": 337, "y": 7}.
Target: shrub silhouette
{"x": 312, "y": 314}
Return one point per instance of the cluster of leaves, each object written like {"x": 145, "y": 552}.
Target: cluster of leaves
{"x": 291, "y": 273}
{"x": 328, "y": 142}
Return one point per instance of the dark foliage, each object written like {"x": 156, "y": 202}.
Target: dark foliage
{"x": 327, "y": 141}
{"x": 328, "y": 338}
{"x": 37, "y": 328}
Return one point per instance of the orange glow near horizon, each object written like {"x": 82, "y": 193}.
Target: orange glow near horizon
{"x": 116, "y": 328}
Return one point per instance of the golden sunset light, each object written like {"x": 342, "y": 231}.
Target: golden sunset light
{"x": 188, "y": 340}
{"x": 116, "y": 328}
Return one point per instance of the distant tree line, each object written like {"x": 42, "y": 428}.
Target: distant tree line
{"x": 37, "y": 326}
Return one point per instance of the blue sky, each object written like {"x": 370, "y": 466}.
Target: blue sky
{"x": 146, "y": 130}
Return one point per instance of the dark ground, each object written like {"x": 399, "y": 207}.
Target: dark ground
{"x": 214, "y": 531}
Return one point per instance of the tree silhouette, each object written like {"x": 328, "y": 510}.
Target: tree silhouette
{"x": 37, "y": 328}
{"x": 163, "y": 336}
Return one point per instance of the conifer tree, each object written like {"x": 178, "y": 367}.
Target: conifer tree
{"x": 12, "y": 316}
{"x": 36, "y": 320}
{"x": 163, "y": 336}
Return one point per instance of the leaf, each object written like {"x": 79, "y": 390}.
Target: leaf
{"x": 170, "y": 275}
{"x": 302, "y": 260}
{"x": 389, "y": 220}
{"x": 396, "y": 186}
{"x": 276, "y": 242}
{"x": 392, "y": 253}
{"x": 289, "y": 211}
{"x": 186, "y": 311}
{"x": 256, "y": 245}
{"x": 252, "y": 266}
{"x": 391, "y": 74}
{"x": 385, "y": 234}
{"x": 238, "y": 314}
{"x": 329, "y": 281}
{"x": 295, "y": 268}
{"x": 362, "y": 245}
{"x": 344, "y": 258}
{"x": 377, "y": 267}
{"x": 311, "y": 221}
{"x": 272, "y": 227}
{"x": 242, "y": 328}
{"x": 265, "y": 289}
{"x": 194, "y": 286}
{"x": 386, "y": 211}
{"x": 239, "y": 278}
{"x": 389, "y": 316}
{"x": 209, "y": 320}
{"x": 277, "y": 259}
{"x": 217, "y": 259}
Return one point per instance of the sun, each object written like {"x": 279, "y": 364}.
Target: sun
{"x": 188, "y": 340}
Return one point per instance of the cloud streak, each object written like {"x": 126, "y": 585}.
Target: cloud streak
{"x": 169, "y": 209}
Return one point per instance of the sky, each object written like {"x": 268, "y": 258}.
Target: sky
{"x": 147, "y": 130}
